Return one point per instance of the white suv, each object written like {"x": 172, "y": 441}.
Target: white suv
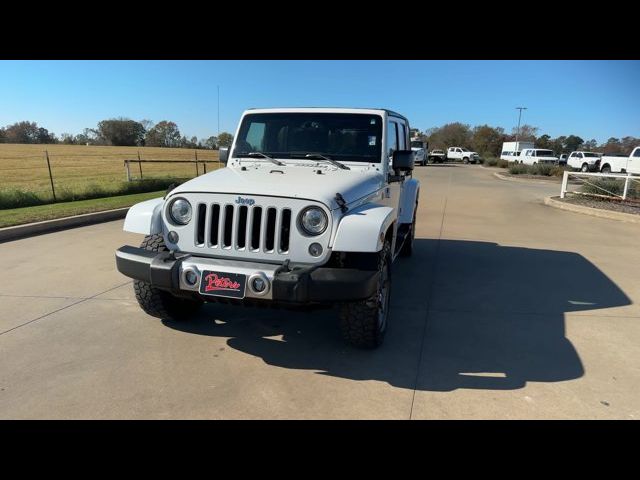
{"x": 312, "y": 208}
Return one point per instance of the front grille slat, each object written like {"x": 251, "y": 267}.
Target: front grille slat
{"x": 256, "y": 228}
{"x": 240, "y": 228}
{"x": 285, "y": 231}
{"x": 200, "y": 225}
{"x": 263, "y": 229}
{"x": 276, "y": 233}
{"x": 270, "y": 230}
{"x": 214, "y": 226}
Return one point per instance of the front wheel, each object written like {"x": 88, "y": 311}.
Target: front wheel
{"x": 364, "y": 324}
{"x": 159, "y": 303}
{"x": 606, "y": 169}
{"x": 585, "y": 168}
{"x": 465, "y": 160}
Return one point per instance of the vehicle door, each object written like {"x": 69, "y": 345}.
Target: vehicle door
{"x": 572, "y": 161}
{"x": 397, "y": 139}
{"x": 634, "y": 162}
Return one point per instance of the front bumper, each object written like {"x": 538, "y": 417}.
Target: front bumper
{"x": 296, "y": 285}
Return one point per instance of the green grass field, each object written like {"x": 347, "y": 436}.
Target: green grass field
{"x": 20, "y": 216}
{"x": 78, "y": 169}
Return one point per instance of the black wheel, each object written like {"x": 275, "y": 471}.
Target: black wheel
{"x": 159, "y": 303}
{"x": 606, "y": 169}
{"x": 585, "y": 168}
{"x": 465, "y": 160}
{"x": 364, "y": 324}
{"x": 424, "y": 162}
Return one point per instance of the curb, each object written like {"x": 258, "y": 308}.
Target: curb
{"x": 522, "y": 180}
{"x": 38, "y": 228}
{"x": 595, "y": 212}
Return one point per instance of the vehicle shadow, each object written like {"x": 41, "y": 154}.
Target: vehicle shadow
{"x": 491, "y": 316}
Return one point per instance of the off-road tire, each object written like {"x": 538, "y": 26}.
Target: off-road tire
{"x": 160, "y": 303}
{"x": 359, "y": 321}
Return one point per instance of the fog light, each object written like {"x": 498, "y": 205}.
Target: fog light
{"x": 315, "y": 249}
{"x": 173, "y": 237}
{"x": 259, "y": 285}
{"x": 190, "y": 277}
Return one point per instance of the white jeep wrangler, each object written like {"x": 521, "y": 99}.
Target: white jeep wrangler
{"x": 313, "y": 207}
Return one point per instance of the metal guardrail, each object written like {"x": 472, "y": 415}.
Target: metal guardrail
{"x": 127, "y": 164}
{"x": 628, "y": 178}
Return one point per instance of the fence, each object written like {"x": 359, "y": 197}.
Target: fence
{"x": 127, "y": 164}
{"x": 30, "y": 175}
{"x": 629, "y": 181}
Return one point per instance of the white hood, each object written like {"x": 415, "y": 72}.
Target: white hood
{"x": 295, "y": 181}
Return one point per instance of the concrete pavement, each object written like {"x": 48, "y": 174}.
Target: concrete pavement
{"x": 509, "y": 309}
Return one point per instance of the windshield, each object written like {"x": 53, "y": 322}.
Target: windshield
{"x": 465, "y": 150}
{"x": 341, "y": 136}
{"x": 544, "y": 153}
{"x": 416, "y": 144}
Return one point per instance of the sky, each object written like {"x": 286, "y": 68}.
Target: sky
{"x": 592, "y": 99}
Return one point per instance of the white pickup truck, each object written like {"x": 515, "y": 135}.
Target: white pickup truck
{"x": 461, "y": 153}
{"x": 584, "y": 161}
{"x": 630, "y": 164}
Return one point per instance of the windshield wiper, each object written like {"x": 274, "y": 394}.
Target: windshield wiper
{"x": 317, "y": 156}
{"x": 273, "y": 160}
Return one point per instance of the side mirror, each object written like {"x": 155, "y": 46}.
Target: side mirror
{"x": 403, "y": 161}
{"x": 223, "y": 154}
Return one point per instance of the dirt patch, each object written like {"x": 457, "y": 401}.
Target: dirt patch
{"x": 603, "y": 204}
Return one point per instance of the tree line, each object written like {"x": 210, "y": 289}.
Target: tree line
{"x": 484, "y": 139}
{"x": 488, "y": 140}
{"x": 115, "y": 131}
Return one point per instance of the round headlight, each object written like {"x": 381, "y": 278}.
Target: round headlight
{"x": 180, "y": 211}
{"x": 313, "y": 220}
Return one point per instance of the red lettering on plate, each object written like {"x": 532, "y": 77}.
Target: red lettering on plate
{"x": 220, "y": 283}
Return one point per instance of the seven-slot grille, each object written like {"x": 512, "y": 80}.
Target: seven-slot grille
{"x": 241, "y": 227}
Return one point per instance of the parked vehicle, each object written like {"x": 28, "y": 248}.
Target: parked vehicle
{"x": 421, "y": 151}
{"x": 312, "y": 208}
{"x": 621, "y": 164}
{"x": 461, "y": 153}
{"x": 511, "y": 150}
{"x": 562, "y": 159}
{"x": 584, "y": 161}
{"x": 533, "y": 156}
{"x": 437, "y": 156}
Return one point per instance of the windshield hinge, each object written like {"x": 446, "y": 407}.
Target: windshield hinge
{"x": 341, "y": 203}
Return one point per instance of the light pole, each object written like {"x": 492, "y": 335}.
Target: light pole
{"x": 518, "y": 130}
{"x": 218, "y": 110}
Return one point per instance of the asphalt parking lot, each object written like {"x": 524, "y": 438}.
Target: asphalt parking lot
{"x": 508, "y": 309}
